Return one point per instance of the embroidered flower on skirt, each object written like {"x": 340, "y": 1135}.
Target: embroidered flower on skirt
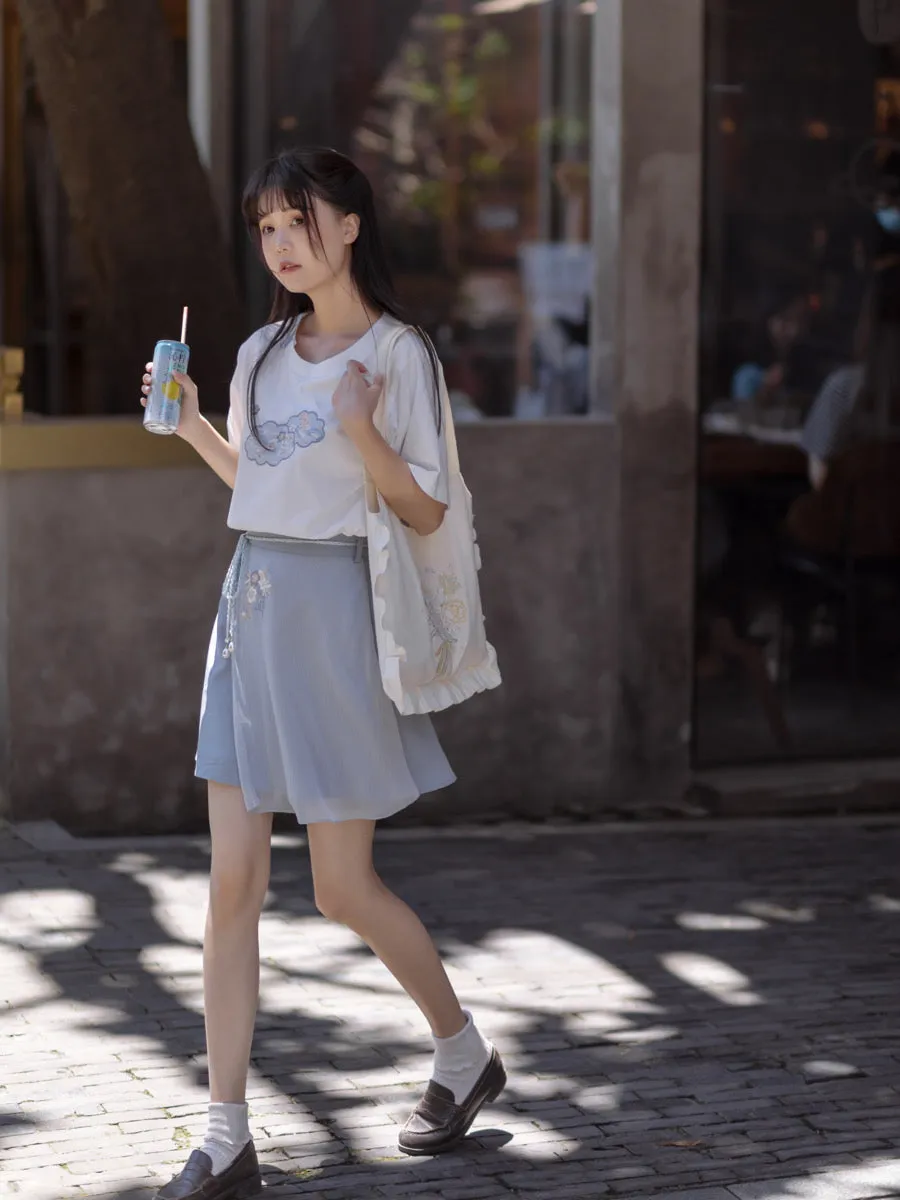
{"x": 259, "y": 587}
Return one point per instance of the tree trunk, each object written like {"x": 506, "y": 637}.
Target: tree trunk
{"x": 140, "y": 201}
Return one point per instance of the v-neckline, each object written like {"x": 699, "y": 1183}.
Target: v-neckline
{"x": 331, "y": 358}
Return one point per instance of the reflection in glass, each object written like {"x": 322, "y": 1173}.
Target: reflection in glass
{"x": 472, "y": 118}
{"x": 798, "y": 646}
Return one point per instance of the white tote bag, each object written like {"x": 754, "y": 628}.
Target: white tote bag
{"x": 429, "y": 624}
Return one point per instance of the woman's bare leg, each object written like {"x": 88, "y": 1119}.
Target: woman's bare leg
{"x": 467, "y": 1071}
{"x": 239, "y": 878}
{"x": 348, "y": 890}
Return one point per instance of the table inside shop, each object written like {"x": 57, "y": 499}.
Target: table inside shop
{"x": 732, "y": 450}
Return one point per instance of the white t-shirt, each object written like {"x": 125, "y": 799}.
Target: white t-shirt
{"x": 307, "y": 480}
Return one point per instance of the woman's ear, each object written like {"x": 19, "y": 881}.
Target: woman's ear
{"x": 351, "y": 228}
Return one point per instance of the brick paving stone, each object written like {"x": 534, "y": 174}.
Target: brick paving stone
{"x": 655, "y": 1051}
{"x": 699, "y": 1194}
{"x": 863, "y": 1183}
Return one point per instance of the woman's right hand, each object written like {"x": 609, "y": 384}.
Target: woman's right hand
{"x": 190, "y": 404}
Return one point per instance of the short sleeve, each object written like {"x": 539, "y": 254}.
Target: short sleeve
{"x": 829, "y": 425}
{"x": 424, "y": 447}
{"x": 236, "y": 411}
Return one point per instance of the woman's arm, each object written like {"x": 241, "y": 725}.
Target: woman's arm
{"x": 215, "y": 451}
{"x": 194, "y": 428}
{"x": 355, "y": 402}
{"x": 394, "y": 480}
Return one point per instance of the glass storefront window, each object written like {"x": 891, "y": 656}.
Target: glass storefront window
{"x": 472, "y": 118}
{"x": 799, "y": 534}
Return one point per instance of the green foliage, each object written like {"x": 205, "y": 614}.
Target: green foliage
{"x": 450, "y": 70}
{"x": 450, "y": 22}
{"x": 491, "y": 45}
{"x": 486, "y": 164}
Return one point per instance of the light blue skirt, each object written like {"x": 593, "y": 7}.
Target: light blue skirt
{"x": 293, "y": 711}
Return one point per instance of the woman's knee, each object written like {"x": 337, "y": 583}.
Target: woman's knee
{"x": 343, "y": 875}
{"x": 342, "y": 900}
{"x": 237, "y": 888}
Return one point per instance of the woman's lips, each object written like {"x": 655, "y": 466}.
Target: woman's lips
{"x": 285, "y": 267}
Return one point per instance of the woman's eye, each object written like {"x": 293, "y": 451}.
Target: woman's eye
{"x": 297, "y": 221}
{"x": 266, "y": 229}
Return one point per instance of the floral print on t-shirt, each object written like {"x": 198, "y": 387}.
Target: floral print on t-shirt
{"x": 278, "y": 442}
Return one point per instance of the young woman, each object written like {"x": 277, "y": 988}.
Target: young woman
{"x": 294, "y": 716}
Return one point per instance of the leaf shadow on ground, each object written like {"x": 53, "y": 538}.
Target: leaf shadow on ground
{"x": 690, "y": 1010}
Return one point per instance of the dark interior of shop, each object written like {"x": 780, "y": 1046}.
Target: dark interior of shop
{"x": 798, "y": 571}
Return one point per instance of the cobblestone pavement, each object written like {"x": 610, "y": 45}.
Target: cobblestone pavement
{"x": 690, "y": 1014}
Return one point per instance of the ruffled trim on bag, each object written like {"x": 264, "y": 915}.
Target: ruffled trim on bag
{"x": 439, "y": 693}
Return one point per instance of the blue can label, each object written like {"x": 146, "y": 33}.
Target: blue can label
{"x": 164, "y": 402}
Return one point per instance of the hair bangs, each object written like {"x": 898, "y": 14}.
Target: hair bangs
{"x": 280, "y": 185}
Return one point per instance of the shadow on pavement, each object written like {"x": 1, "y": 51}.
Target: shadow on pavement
{"x": 698, "y": 1010}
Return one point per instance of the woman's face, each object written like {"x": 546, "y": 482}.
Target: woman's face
{"x": 296, "y": 256}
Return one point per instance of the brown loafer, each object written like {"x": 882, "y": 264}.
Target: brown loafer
{"x": 196, "y": 1181}
{"x": 439, "y": 1123}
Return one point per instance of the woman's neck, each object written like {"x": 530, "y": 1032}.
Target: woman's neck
{"x": 339, "y": 311}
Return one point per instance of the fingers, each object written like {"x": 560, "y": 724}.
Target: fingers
{"x": 354, "y": 366}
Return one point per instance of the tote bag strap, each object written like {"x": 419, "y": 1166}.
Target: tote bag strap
{"x": 384, "y": 357}
{"x": 446, "y": 414}
{"x": 449, "y": 429}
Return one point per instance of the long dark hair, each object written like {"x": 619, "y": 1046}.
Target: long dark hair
{"x": 293, "y": 179}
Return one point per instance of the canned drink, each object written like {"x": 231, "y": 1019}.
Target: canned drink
{"x": 163, "y": 411}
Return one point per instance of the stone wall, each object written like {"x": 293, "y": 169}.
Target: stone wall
{"x": 110, "y": 580}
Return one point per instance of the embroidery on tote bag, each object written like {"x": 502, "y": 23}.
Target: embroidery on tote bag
{"x": 447, "y": 612}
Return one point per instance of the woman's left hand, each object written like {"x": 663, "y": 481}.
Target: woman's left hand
{"x": 356, "y": 399}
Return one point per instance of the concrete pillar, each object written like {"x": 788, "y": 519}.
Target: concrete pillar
{"x": 199, "y": 77}
{"x": 211, "y": 98}
{"x": 649, "y": 83}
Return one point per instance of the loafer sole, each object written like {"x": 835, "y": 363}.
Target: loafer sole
{"x": 247, "y": 1189}
{"x": 202, "y": 1185}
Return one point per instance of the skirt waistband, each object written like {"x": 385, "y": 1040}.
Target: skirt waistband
{"x": 354, "y": 548}
{"x": 349, "y": 545}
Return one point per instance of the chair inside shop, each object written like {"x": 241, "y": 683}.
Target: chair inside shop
{"x": 842, "y": 550}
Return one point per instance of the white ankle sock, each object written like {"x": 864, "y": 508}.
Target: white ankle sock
{"x": 460, "y": 1060}
{"x": 227, "y": 1134}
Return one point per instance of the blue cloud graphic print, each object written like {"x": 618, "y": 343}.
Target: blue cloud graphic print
{"x": 280, "y": 441}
